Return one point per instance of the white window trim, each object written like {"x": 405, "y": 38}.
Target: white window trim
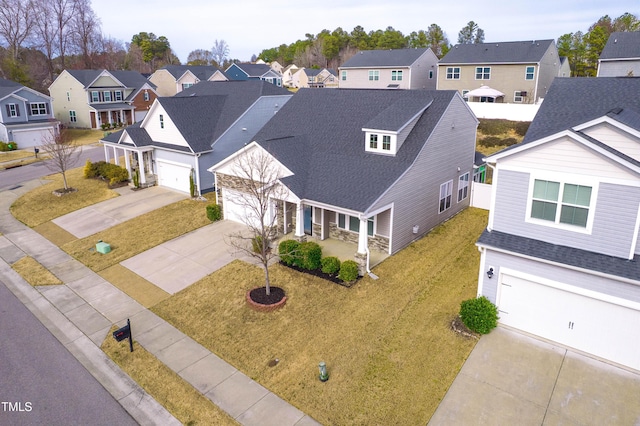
{"x": 73, "y": 117}
{"x": 396, "y": 75}
{"x": 374, "y": 75}
{"x": 463, "y": 186}
{"x": 106, "y": 94}
{"x": 453, "y": 73}
{"x": 482, "y": 73}
{"x": 449, "y": 193}
{"x": 343, "y": 75}
{"x": 346, "y": 223}
{"x": 146, "y": 96}
{"x": 97, "y": 93}
{"x": 516, "y": 96}
{"x": 37, "y": 111}
{"x": 13, "y": 110}
{"x": 117, "y": 95}
{"x": 563, "y": 179}
{"x": 393, "y": 143}
{"x": 533, "y": 74}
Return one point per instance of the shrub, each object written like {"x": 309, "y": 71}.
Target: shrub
{"x": 310, "y": 255}
{"x": 509, "y": 141}
{"x": 330, "y": 265}
{"x": 348, "y": 271}
{"x": 4, "y": 146}
{"x": 12, "y": 146}
{"x": 490, "y": 141}
{"x": 214, "y": 213}
{"x": 495, "y": 126}
{"x": 479, "y": 315}
{"x": 521, "y": 127}
{"x": 287, "y": 250}
{"x": 113, "y": 173}
{"x": 117, "y": 174}
{"x": 89, "y": 170}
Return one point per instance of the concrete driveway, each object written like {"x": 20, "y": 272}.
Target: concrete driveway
{"x": 129, "y": 204}
{"x": 511, "y": 378}
{"x": 178, "y": 263}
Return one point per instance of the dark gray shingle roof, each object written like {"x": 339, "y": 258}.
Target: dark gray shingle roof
{"x": 318, "y": 135}
{"x": 246, "y": 89}
{"x": 384, "y": 58}
{"x": 254, "y": 70}
{"x": 582, "y": 259}
{"x": 202, "y": 72}
{"x": 573, "y": 101}
{"x": 130, "y": 79}
{"x": 530, "y": 51}
{"x": 622, "y": 45}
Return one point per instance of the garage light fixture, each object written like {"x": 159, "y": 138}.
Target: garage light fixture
{"x": 490, "y": 273}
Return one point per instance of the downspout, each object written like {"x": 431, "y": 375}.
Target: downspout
{"x": 197, "y": 171}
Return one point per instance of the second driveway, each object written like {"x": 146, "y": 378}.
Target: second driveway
{"x": 178, "y": 263}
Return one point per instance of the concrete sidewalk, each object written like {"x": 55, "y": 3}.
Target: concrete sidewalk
{"x": 81, "y": 312}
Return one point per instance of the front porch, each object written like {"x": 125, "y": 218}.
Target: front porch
{"x": 115, "y": 115}
{"x": 134, "y": 159}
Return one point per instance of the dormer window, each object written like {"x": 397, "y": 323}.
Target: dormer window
{"x": 373, "y": 141}
{"x": 386, "y": 142}
{"x": 380, "y": 142}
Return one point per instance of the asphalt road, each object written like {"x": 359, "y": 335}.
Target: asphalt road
{"x": 12, "y": 177}
{"x": 41, "y": 383}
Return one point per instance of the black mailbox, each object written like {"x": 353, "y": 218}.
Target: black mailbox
{"x": 122, "y": 333}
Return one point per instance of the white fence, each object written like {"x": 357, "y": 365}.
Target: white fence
{"x": 515, "y": 112}
{"x": 481, "y": 195}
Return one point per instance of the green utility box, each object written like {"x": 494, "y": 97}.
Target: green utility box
{"x": 102, "y": 247}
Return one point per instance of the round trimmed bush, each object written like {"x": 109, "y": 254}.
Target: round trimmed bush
{"x": 287, "y": 250}
{"x": 348, "y": 271}
{"x": 214, "y": 212}
{"x": 479, "y": 315}
{"x": 310, "y": 255}
{"x": 330, "y": 265}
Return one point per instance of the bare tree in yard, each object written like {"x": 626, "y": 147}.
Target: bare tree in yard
{"x": 16, "y": 21}
{"x": 85, "y": 31}
{"x": 63, "y": 12}
{"x": 62, "y": 153}
{"x": 220, "y": 52}
{"x": 45, "y": 31}
{"x": 256, "y": 189}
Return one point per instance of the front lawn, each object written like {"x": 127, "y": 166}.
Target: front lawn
{"x": 389, "y": 349}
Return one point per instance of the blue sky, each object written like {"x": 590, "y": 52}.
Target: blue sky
{"x": 249, "y": 26}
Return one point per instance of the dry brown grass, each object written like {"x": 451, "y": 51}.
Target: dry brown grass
{"x": 388, "y": 345}
{"x": 84, "y": 136}
{"x": 34, "y": 273}
{"x": 183, "y": 401}
{"x": 54, "y": 233}
{"x": 15, "y": 155}
{"x": 140, "y": 233}
{"x": 134, "y": 285}
{"x": 40, "y": 205}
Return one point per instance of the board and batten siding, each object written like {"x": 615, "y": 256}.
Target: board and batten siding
{"x": 616, "y": 210}
{"x": 576, "y": 278}
{"x": 616, "y": 139}
{"x": 416, "y": 194}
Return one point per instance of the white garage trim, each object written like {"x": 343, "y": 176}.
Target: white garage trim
{"x": 173, "y": 175}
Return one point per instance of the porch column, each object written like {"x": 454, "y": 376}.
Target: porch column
{"x": 106, "y": 153}
{"x": 300, "y": 222}
{"x": 362, "y": 236}
{"x": 143, "y": 178}
{"x": 285, "y": 222}
{"x": 127, "y": 163}
{"x": 116, "y": 157}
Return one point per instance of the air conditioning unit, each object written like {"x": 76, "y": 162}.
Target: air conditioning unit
{"x": 523, "y": 93}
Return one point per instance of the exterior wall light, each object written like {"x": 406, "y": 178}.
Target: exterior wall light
{"x": 490, "y": 273}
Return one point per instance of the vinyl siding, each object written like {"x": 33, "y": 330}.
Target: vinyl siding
{"x": 579, "y": 279}
{"x": 78, "y": 101}
{"x": 548, "y": 69}
{"x": 613, "y": 225}
{"x": 615, "y": 138}
{"x": 383, "y": 223}
{"x": 103, "y": 82}
{"x": 359, "y": 78}
{"x": 165, "y": 83}
{"x": 619, "y": 68}
{"x": 169, "y": 134}
{"x": 416, "y": 194}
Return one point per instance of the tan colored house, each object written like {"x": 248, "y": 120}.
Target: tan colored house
{"x": 173, "y": 79}
{"x": 521, "y": 70}
{"x": 91, "y": 98}
{"x": 287, "y": 75}
{"x": 315, "y": 78}
{"x": 390, "y": 69}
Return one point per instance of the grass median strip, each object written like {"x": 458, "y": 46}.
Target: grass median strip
{"x": 388, "y": 345}
{"x": 140, "y": 233}
{"x": 34, "y": 273}
{"x": 134, "y": 285}
{"x": 181, "y": 399}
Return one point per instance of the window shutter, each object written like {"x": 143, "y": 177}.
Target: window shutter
{"x": 46, "y": 106}
{"x": 17, "y": 110}
{"x": 8, "y": 111}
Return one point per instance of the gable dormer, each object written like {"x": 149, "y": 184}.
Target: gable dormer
{"x": 386, "y": 132}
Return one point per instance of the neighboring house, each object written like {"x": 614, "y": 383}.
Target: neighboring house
{"x": 560, "y": 256}
{"x": 26, "y": 116}
{"x": 380, "y": 169}
{"x": 183, "y": 135}
{"x": 243, "y": 71}
{"x": 315, "y": 78}
{"x": 390, "y": 69}
{"x": 521, "y": 70}
{"x": 565, "y": 67}
{"x": 287, "y": 75}
{"x": 172, "y": 79}
{"x": 620, "y": 56}
{"x": 275, "y": 65}
{"x": 91, "y": 98}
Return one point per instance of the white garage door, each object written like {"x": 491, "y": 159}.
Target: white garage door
{"x": 30, "y": 138}
{"x": 590, "y": 325}
{"x": 174, "y": 175}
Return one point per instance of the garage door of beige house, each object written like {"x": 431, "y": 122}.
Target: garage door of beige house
{"x": 174, "y": 175}
{"x": 572, "y": 317}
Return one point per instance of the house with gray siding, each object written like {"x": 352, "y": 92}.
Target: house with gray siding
{"x": 380, "y": 169}
{"x": 247, "y": 71}
{"x": 183, "y": 135}
{"x": 390, "y": 69}
{"x": 621, "y": 55}
{"x": 560, "y": 256}
{"x": 26, "y": 116}
{"x": 521, "y": 70}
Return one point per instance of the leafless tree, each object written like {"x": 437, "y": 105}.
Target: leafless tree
{"x": 16, "y": 23}
{"x": 257, "y": 189}
{"x": 63, "y": 12}
{"x": 62, "y": 153}
{"x": 45, "y": 32}
{"x": 85, "y": 31}
{"x": 220, "y": 52}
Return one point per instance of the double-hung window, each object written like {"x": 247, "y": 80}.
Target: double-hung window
{"x": 38, "y": 108}
{"x": 95, "y": 96}
{"x": 529, "y": 73}
{"x": 343, "y": 75}
{"x": 517, "y": 96}
{"x": 463, "y": 186}
{"x": 72, "y": 116}
{"x": 107, "y": 96}
{"x": 561, "y": 203}
{"x": 373, "y": 141}
{"x": 396, "y": 75}
{"x": 187, "y": 85}
{"x": 118, "y": 95}
{"x": 446, "y": 190}
{"x": 374, "y": 75}
{"x": 483, "y": 73}
{"x": 453, "y": 73}
{"x": 13, "y": 110}
{"x": 386, "y": 142}
{"x": 352, "y": 223}
{"x": 146, "y": 96}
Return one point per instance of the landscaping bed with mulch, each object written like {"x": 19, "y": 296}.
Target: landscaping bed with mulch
{"x": 318, "y": 273}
